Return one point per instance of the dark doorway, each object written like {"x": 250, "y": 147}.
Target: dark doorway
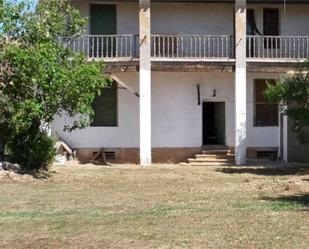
{"x": 214, "y": 123}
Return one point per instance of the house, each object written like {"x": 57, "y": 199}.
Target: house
{"x": 188, "y": 74}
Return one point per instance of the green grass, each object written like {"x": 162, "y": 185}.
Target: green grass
{"x": 165, "y": 206}
{"x": 273, "y": 206}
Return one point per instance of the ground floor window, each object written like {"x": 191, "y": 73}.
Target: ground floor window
{"x": 105, "y": 107}
{"x": 265, "y": 114}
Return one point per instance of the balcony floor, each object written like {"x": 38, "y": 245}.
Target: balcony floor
{"x": 172, "y": 66}
{"x": 254, "y": 66}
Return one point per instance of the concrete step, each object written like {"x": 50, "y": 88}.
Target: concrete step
{"x": 215, "y": 152}
{"x": 201, "y": 164}
{"x": 214, "y": 156}
{"x": 184, "y": 164}
{"x": 214, "y": 147}
{"x": 210, "y": 160}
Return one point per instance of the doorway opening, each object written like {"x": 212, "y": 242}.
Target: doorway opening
{"x": 213, "y": 123}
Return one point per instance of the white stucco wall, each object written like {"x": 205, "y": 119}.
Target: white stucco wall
{"x": 125, "y": 135}
{"x": 194, "y": 18}
{"x": 293, "y": 18}
{"x": 172, "y": 18}
{"x": 201, "y": 18}
{"x": 127, "y": 15}
{"x": 176, "y": 117}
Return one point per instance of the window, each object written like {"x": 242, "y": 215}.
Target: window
{"x": 251, "y": 23}
{"x": 271, "y": 21}
{"x": 271, "y": 27}
{"x": 251, "y": 30}
{"x": 265, "y": 114}
{"x": 105, "y": 107}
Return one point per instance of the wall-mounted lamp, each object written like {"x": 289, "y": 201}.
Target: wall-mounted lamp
{"x": 214, "y": 93}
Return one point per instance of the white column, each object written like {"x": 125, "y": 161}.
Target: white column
{"x": 285, "y": 138}
{"x": 145, "y": 83}
{"x": 240, "y": 82}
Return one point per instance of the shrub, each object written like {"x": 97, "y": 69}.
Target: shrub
{"x": 40, "y": 78}
{"x": 33, "y": 151}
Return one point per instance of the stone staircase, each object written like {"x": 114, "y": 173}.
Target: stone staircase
{"x": 212, "y": 156}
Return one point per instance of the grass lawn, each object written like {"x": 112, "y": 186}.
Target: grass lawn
{"x": 164, "y": 206}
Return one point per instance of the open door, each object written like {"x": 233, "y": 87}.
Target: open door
{"x": 213, "y": 123}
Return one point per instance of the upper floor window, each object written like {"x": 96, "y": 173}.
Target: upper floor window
{"x": 105, "y": 107}
{"x": 103, "y": 24}
{"x": 265, "y": 114}
{"x": 271, "y": 22}
{"x": 271, "y": 28}
{"x": 252, "y": 28}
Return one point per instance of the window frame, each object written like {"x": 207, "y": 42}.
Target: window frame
{"x": 279, "y": 21}
{"x": 273, "y": 43}
{"x": 262, "y": 103}
{"x": 116, "y": 110}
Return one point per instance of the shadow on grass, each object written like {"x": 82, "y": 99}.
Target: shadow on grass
{"x": 267, "y": 170}
{"x": 296, "y": 201}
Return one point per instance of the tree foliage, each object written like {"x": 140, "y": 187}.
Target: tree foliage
{"x": 40, "y": 78}
{"x": 1, "y": 9}
{"x": 293, "y": 92}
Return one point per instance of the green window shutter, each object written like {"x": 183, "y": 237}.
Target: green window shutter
{"x": 103, "y": 20}
{"x": 105, "y": 107}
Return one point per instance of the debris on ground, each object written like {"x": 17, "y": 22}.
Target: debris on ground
{"x": 99, "y": 157}
{"x": 11, "y": 171}
{"x": 60, "y": 159}
{"x": 64, "y": 153}
{"x": 7, "y": 166}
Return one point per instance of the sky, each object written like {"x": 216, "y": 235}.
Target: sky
{"x": 32, "y": 1}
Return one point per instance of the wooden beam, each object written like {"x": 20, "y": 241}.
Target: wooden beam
{"x": 272, "y": 67}
{"x": 124, "y": 85}
{"x": 193, "y": 66}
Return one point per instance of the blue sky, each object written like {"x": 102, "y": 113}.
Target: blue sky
{"x": 32, "y": 1}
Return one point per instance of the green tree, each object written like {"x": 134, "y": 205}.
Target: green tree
{"x": 1, "y": 9}
{"x": 293, "y": 92}
{"x": 40, "y": 78}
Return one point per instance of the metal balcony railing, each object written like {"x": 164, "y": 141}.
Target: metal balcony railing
{"x": 104, "y": 46}
{"x": 190, "y": 47}
{"x": 274, "y": 48}
{"x": 173, "y": 47}
{"x": 196, "y": 47}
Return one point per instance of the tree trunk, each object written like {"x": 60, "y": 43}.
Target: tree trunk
{"x": 2, "y": 146}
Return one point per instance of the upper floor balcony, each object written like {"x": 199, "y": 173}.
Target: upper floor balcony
{"x": 194, "y": 48}
{"x": 110, "y": 48}
{"x": 193, "y": 33}
{"x": 277, "y": 48}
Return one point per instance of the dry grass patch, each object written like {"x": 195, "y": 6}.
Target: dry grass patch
{"x": 164, "y": 206}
